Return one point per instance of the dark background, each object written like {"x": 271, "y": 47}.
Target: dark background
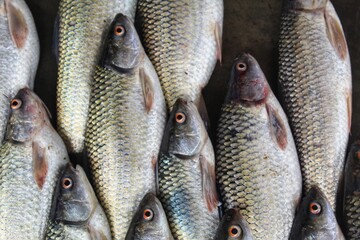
{"x": 251, "y": 26}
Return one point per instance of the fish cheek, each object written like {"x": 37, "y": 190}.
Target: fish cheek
{"x": 277, "y": 127}
{"x": 336, "y": 36}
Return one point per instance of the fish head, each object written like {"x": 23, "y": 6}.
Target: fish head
{"x": 315, "y": 218}
{"x": 352, "y": 170}
{"x": 75, "y": 199}
{"x": 28, "y": 115}
{"x": 149, "y": 221}
{"x": 307, "y": 5}
{"x": 123, "y": 50}
{"x": 233, "y": 227}
{"x": 185, "y": 133}
{"x": 247, "y": 84}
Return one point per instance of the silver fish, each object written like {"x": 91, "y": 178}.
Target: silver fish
{"x": 257, "y": 165}
{"x": 149, "y": 221}
{"x": 19, "y": 53}
{"x": 82, "y": 27}
{"x": 30, "y": 163}
{"x": 76, "y": 212}
{"x": 186, "y": 173}
{"x": 126, "y": 120}
{"x": 315, "y": 77}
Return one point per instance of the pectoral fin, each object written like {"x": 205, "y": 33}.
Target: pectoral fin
{"x": 40, "y": 164}
{"x": 208, "y": 184}
{"x": 148, "y": 89}
{"x": 336, "y": 36}
{"x": 277, "y": 127}
{"x": 18, "y": 27}
{"x": 218, "y": 39}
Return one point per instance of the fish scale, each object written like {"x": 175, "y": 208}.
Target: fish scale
{"x": 180, "y": 193}
{"x": 183, "y": 33}
{"x": 315, "y": 83}
{"x": 251, "y": 178}
{"x": 122, "y": 141}
{"x": 82, "y": 26}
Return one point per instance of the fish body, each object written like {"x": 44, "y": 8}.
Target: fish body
{"x": 30, "y": 162}
{"x": 186, "y": 175}
{"x": 76, "y": 212}
{"x": 125, "y": 126}
{"x": 187, "y": 33}
{"x": 315, "y": 78}
{"x": 315, "y": 219}
{"x": 82, "y": 27}
{"x": 233, "y": 227}
{"x": 352, "y": 193}
{"x": 257, "y": 166}
{"x": 19, "y": 54}
{"x": 149, "y": 221}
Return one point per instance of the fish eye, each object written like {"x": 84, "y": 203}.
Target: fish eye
{"x": 15, "y": 103}
{"x": 315, "y": 208}
{"x": 148, "y": 214}
{"x": 67, "y": 183}
{"x": 234, "y": 231}
{"x": 357, "y": 154}
{"x": 180, "y": 117}
{"x": 119, "y": 30}
{"x": 241, "y": 66}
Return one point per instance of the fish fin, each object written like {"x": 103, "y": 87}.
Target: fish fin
{"x": 277, "y": 127}
{"x": 18, "y": 27}
{"x": 95, "y": 234}
{"x": 336, "y": 36}
{"x": 218, "y": 40}
{"x": 40, "y": 164}
{"x": 201, "y": 106}
{"x": 208, "y": 184}
{"x": 55, "y": 43}
{"x": 349, "y": 109}
{"x": 148, "y": 89}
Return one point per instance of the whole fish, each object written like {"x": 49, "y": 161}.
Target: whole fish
{"x": 233, "y": 227}
{"x": 183, "y": 40}
{"x": 19, "y": 54}
{"x": 125, "y": 126}
{"x": 76, "y": 212}
{"x": 82, "y": 26}
{"x": 186, "y": 175}
{"x": 149, "y": 221}
{"x": 257, "y": 166}
{"x": 30, "y": 162}
{"x": 352, "y": 193}
{"x": 315, "y": 219}
{"x": 315, "y": 77}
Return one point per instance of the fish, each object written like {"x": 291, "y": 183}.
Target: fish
{"x": 76, "y": 212}
{"x": 233, "y": 227}
{"x": 186, "y": 175}
{"x": 149, "y": 221}
{"x": 126, "y": 119}
{"x": 352, "y": 193}
{"x": 31, "y": 160}
{"x": 315, "y": 82}
{"x": 19, "y": 54}
{"x": 257, "y": 168}
{"x": 83, "y": 25}
{"x": 188, "y": 34}
{"x": 315, "y": 219}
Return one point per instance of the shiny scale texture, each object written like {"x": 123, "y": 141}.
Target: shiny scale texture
{"x": 82, "y": 26}
{"x": 315, "y": 84}
{"x": 183, "y": 33}
{"x": 122, "y": 141}
{"x": 254, "y": 174}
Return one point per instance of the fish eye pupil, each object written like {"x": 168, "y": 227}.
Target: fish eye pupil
{"x": 148, "y": 214}
{"x": 119, "y": 30}
{"x": 67, "y": 183}
{"x": 241, "y": 66}
{"x": 234, "y": 231}
{"x": 315, "y": 208}
{"x": 15, "y": 103}
{"x": 180, "y": 117}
